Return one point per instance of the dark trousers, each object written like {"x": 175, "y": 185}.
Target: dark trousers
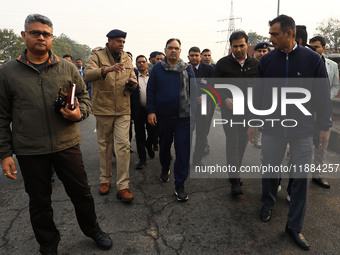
{"x": 273, "y": 151}
{"x": 236, "y": 143}
{"x": 177, "y": 130}
{"x": 69, "y": 167}
{"x": 202, "y": 127}
{"x": 142, "y": 141}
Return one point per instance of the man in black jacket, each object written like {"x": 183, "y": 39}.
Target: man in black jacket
{"x": 139, "y": 114}
{"x": 202, "y": 73}
{"x": 237, "y": 65}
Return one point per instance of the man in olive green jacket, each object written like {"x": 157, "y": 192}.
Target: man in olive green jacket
{"x": 111, "y": 74}
{"x": 43, "y": 135}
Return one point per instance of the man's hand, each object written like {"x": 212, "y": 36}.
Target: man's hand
{"x": 323, "y": 141}
{"x": 229, "y": 103}
{"x": 152, "y": 119}
{"x": 118, "y": 67}
{"x": 251, "y": 134}
{"x": 132, "y": 81}
{"x": 9, "y": 169}
{"x": 73, "y": 115}
{"x": 199, "y": 100}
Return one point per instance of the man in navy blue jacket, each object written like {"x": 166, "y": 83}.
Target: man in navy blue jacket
{"x": 170, "y": 106}
{"x": 203, "y": 72}
{"x": 298, "y": 69}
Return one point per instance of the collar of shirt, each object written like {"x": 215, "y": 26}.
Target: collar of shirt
{"x": 141, "y": 75}
{"x": 197, "y": 66}
{"x": 294, "y": 48}
{"x": 242, "y": 61}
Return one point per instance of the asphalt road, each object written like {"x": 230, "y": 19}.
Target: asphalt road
{"x": 210, "y": 222}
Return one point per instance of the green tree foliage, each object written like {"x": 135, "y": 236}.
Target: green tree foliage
{"x": 64, "y": 45}
{"x": 254, "y": 38}
{"x": 11, "y": 45}
{"x": 330, "y": 29}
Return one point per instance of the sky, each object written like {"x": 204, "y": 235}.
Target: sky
{"x": 150, "y": 23}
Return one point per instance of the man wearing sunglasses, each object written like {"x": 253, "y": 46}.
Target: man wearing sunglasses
{"x": 44, "y": 135}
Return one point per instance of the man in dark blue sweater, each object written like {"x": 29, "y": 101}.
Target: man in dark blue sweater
{"x": 302, "y": 71}
{"x": 169, "y": 106}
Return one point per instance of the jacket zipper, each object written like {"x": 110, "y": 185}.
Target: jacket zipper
{"x": 48, "y": 123}
{"x": 286, "y": 85}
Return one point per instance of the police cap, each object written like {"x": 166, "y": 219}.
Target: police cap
{"x": 115, "y": 33}
{"x": 261, "y": 45}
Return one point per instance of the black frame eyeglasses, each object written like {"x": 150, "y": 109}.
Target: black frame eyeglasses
{"x": 37, "y": 34}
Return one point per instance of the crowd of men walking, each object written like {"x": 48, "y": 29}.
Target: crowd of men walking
{"x": 161, "y": 98}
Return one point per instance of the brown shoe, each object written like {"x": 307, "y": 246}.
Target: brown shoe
{"x": 125, "y": 195}
{"x": 104, "y": 188}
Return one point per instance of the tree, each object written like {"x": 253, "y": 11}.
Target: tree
{"x": 330, "y": 29}
{"x": 64, "y": 45}
{"x": 254, "y": 38}
{"x": 11, "y": 45}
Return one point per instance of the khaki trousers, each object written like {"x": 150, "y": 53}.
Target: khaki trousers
{"x": 113, "y": 133}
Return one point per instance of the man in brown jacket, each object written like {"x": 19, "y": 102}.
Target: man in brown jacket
{"x": 113, "y": 79}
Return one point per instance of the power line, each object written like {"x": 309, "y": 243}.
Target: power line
{"x": 230, "y": 29}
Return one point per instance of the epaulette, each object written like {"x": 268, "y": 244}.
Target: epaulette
{"x": 98, "y": 48}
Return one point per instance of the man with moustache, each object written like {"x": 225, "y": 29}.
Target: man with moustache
{"x": 169, "y": 106}
{"x": 290, "y": 60}
{"x": 202, "y": 73}
{"x": 113, "y": 79}
{"x": 240, "y": 67}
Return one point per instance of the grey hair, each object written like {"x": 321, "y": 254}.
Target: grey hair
{"x": 32, "y": 18}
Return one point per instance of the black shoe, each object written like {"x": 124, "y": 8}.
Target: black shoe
{"x": 181, "y": 194}
{"x": 298, "y": 238}
{"x": 141, "y": 164}
{"x": 236, "y": 189}
{"x": 165, "y": 175}
{"x": 50, "y": 253}
{"x": 198, "y": 163}
{"x": 322, "y": 182}
{"x": 155, "y": 147}
{"x": 151, "y": 153}
{"x": 102, "y": 240}
{"x": 240, "y": 181}
{"x": 265, "y": 215}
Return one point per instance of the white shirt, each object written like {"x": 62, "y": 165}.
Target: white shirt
{"x": 142, "y": 81}
{"x": 240, "y": 62}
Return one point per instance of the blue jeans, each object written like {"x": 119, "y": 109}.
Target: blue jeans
{"x": 273, "y": 151}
